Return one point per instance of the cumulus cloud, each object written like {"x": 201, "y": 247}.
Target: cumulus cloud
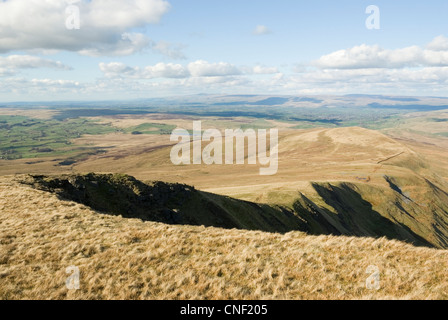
{"x": 117, "y": 68}
{"x": 196, "y": 69}
{"x": 264, "y": 70}
{"x": 10, "y": 65}
{"x": 261, "y": 30}
{"x": 364, "y": 56}
{"x": 106, "y": 25}
{"x": 411, "y": 70}
{"x": 40, "y": 88}
{"x": 439, "y": 43}
{"x": 203, "y": 68}
{"x": 160, "y": 70}
{"x": 173, "y": 51}
{"x": 30, "y": 62}
{"x": 4, "y": 72}
{"x": 55, "y": 89}
{"x": 166, "y": 70}
{"x": 126, "y": 44}
{"x": 162, "y": 80}
{"x": 386, "y": 76}
{"x": 412, "y": 81}
{"x": 55, "y": 83}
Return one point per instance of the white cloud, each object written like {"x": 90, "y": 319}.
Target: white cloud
{"x": 117, "y": 68}
{"x": 435, "y": 58}
{"x": 118, "y": 14}
{"x": 415, "y": 81}
{"x": 40, "y": 88}
{"x": 166, "y": 70}
{"x": 264, "y": 70}
{"x": 127, "y": 44}
{"x": 203, "y": 68}
{"x": 439, "y": 43}
{"x": 30, "y": 62}
{"x": 173, "y": 51}
{"x": 116, "y": 88}
{"x": 161, "y": 80}
{"x": 197, "y": 69}
{"x": 10, "y": 65}
{"x": 375, "y": 76}
{"x": 202, "y": 75}
{"x": 261, "y": 30}
{"x": 364, "y": 56}
{"x": 4, "y": 72}
{"x": 410, "y": 70}
{"x": 55, "y": 83}
{"x": 160, "y": 70}
{"x": 106, "y": 25}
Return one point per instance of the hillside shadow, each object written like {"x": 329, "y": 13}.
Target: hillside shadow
{"x": 352, "y": 216}
{"x": 175, "y": 204}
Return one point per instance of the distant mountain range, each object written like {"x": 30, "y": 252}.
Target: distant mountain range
{"x": 353, "y": 100}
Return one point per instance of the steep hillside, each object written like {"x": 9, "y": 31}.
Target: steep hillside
{"x": 163, "y": 202}
{"x": 336, "y": 208}
{"x": 399, "y": 195}
{"x": 360, "y": 210}
{"x": 41, "y": 235}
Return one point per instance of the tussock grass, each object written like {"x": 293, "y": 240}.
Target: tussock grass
{"x": 41, "y": 235}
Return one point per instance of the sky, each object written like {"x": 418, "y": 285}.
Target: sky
{"x": 130, "y": 49}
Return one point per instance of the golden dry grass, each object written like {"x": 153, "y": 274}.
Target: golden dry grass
{"x": 41, "y": 235}
{"x": 38, "y": 113}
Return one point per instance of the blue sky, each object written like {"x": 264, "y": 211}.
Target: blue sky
{"x": 152, "y": 48}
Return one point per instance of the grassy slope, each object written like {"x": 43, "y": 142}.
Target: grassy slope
{"x": 40, "y": 236}
{"x": 167, "y": 203}
{"x": 345, "y": 211}
{"x": 351, "y": 214}
{"x": 411, "y": 205}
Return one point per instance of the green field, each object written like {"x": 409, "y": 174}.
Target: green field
{"x": 151, "y": 128}
{"x": 23, "y": 137}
